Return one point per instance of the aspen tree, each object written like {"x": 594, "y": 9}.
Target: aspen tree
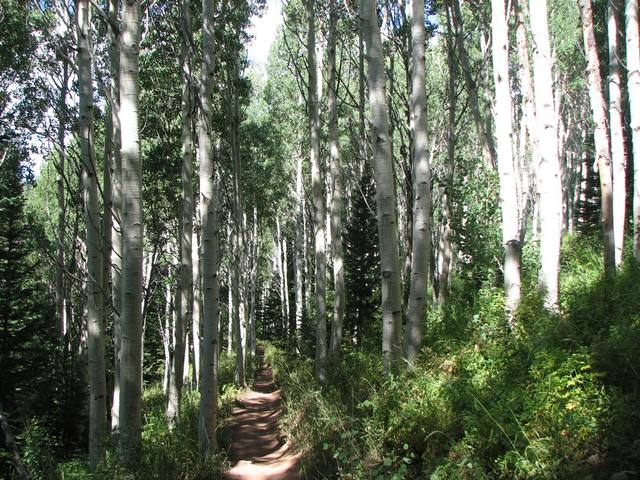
{"x": 130, "y": 416}
{"x": 385, "y": 192}
{"x": 421, "y": 245}
{"x": 336, "y": 191}
{"x": 549, "y": 170}
{"x": 600, "y": 134}
{"x": 299, "y": 253}
{"x": 318, "y": 201}
{"x": 506, "y": 170}
{"x": 209, "y": 240}
{"x": 93, "y": 281}
{"x": 116, "y": 202}
{"x": 482, "y": 126}
{"x": 633, "y": 85}
{"x": 619, "y": 174}
{"x": 183, "y": 302}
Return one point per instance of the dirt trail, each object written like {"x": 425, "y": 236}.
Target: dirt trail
{"x": 258, "y": 452}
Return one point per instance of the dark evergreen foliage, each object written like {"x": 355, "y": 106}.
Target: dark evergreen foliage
{"x": 362, "y": 268}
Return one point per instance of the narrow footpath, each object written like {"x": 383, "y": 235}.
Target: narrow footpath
{"x": 258, "y": 451}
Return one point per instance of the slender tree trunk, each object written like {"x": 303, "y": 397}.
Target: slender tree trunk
{"x": 130, "y": 416}
{"x": 185, "y": 362}
{"x": 299, "y": 252}
{"x": 318, "y": 201}
{"x": 447, "y": 231}
{"x": 633, "y": 86}
{"x": 336, "y": 198}
{"x": 165, "y": 332}
{"x": 184, "y": 301}
{"x": 279, "y": 264}
{"x": 209, "y": 240}
{"x": 482, "y": 126}
{"x": 251, "y": 330}
{"x": 285, "y": 280}
{"x": 616, "y": 127}
{"x": 306, "y": 246}
{"x": 601, "y": 135}
{"x": 116, "y": 197}
{"x": 196, "y": 297}
{"x": 385, "y": 193}
{"x": 506, "y": 170}
{"x": 62, "y": 156}
{"x": 421, "y": 245}
{"x": 528, "y": 119}
{"x": 93, "y": 282}
{"x": 237, "y": 253}
{"x": 549, "y": 170}
{"x": 362, "y": 132}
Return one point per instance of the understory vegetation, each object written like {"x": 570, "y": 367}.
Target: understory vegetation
{"x": 167, "y": 453}
{"x": 557, "y": 398}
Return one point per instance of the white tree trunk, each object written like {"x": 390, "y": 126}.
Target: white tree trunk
{"x": 336, "y": 192}
{"x": 116, "y": 187}
{"x": 251, "y": 328}
{"x": 601, "y": 134}
{"x": 549, "y": 169}
{"x": 281, "y": 276}
{"x": 300, "y": 248}
{"x": 165, "y": 333}
{"x": 94, "y": 263}
{"x": 318, "y": 199}
{"x": 616, "y": 126}
{"x": 132, "y": 241}
{"x": 209, "y": 240}
{"x": 197, "y": 298}
{"x": 506, "y": 169}
{"x": 184, "y": 302}
{"x": 482, "y": 126}
{"x": 61, "y": 227}
{"x": 421, "y": 244}
{"x": 633, "y": 85}
{"x": 385, "y": 192}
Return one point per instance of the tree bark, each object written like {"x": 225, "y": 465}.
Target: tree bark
{"x": 421, "y": 244}
{"x": 506, "y": 170}
{"x": 196, "y": 297}
{"x": 601, "y": 134}
{"x": 185, "y": 302}
{"x": 336, "y": 197}
{"x": 549, "y": 169}
{"x": 132, "y": 241}
{"x": 616, "y": 126}
{"x": 482, "y": 126}
{"x": 93, "y": 281}
{"x": 61, "y": 230}
{"x": 446, "y": 248}
{"x": 116, "y": 200}
{"x": 318, "y": 201}
{"x": 251, "y": 328}
{"x": 633, "y": 86}
{"x": 299, "y": 252}
{"x": 385, "y": 193}
{"x": 209, "y": 241}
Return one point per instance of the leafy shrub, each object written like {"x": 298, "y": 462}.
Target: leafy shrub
{"x": 557, "y": 397}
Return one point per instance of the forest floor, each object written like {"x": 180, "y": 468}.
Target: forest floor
{"x": 258, "y": 451}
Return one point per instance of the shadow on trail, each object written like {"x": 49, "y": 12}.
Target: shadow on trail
{"x": 257, "y": 449}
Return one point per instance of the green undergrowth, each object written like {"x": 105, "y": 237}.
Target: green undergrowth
{"x": 558, "y": 397}
{"x": 166, "y": 453}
